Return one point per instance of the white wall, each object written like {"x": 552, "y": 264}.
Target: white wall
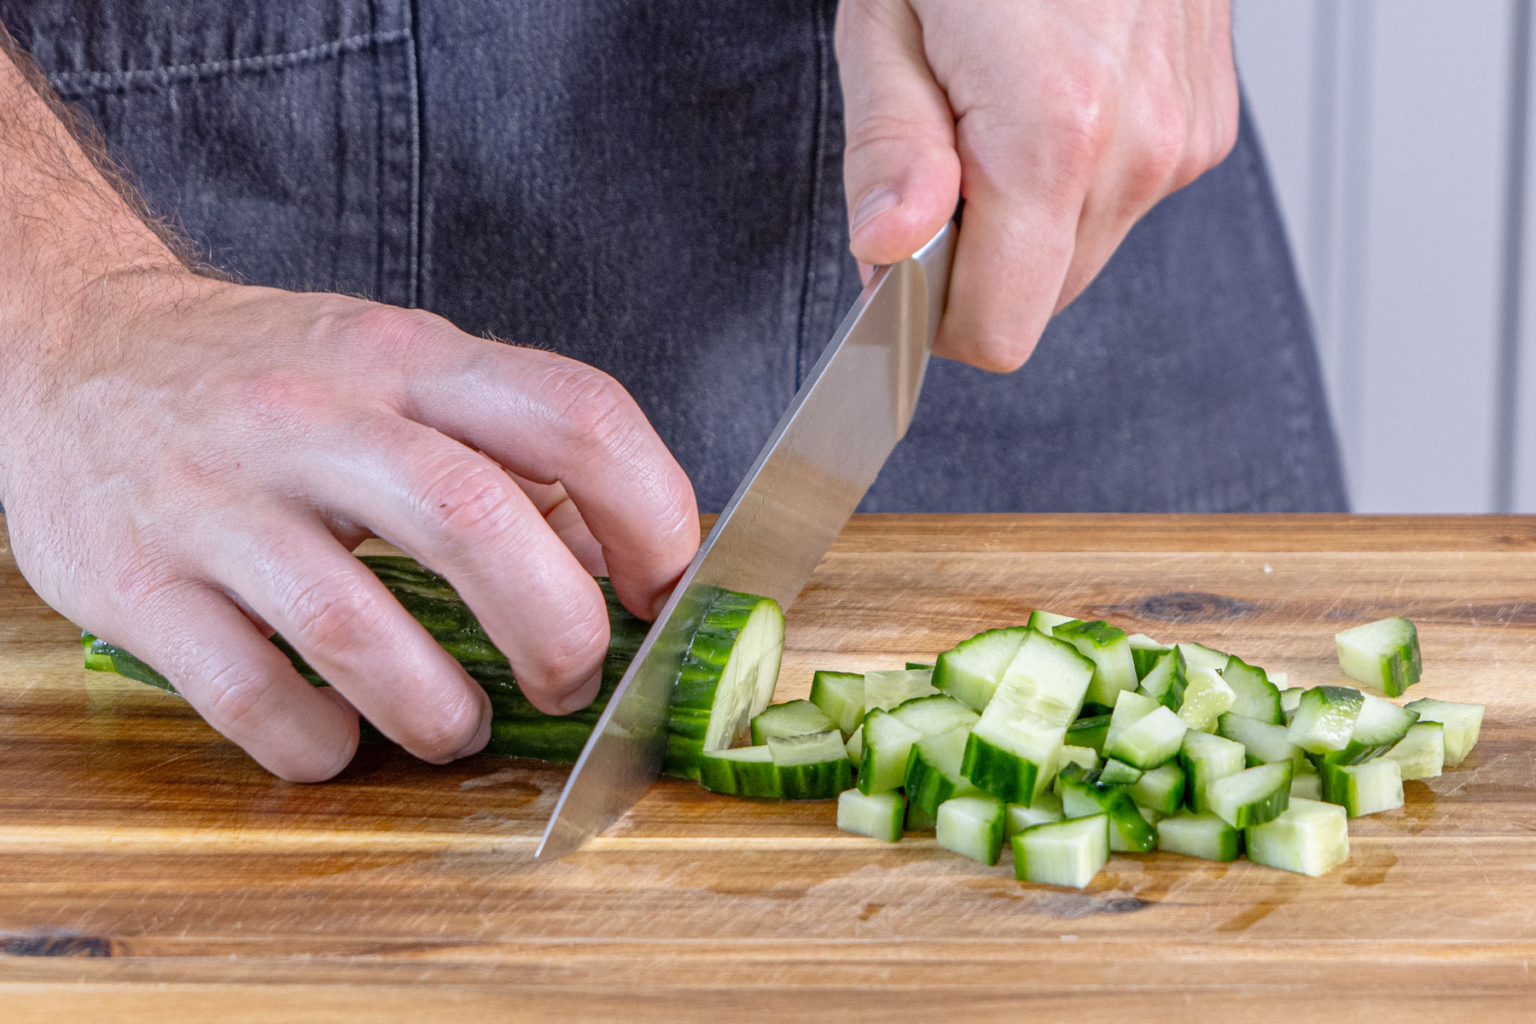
{"x": 1393, "y": 133}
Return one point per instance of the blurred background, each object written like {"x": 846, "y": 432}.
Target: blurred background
{"x": 1398, "y": 135}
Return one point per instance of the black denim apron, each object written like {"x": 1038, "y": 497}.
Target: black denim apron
{"x": 654, "y": 187}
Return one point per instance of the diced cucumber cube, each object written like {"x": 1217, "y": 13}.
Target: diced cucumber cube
{"x": 855, "y": 745}
{"x": 934, "y": 714}
{"x": 1290, "y": 700}
{"x": 1379, "y": 727}
{"x": 1462, "y": 724}
{"x": 1142, "y": 732}
{"x": 1145, "y": 652}
{"x": 840, "y": 695}
{"x": 1118, "y": 773}
{"x": 1309, "y": 787}
{"x": 1252, "y": 796}
{"x": 1325, "y": 718}
{"x": 1421, "y": 754}
{"x": 793, "y": 718}
{"x": 1310, "y": 838}
{"x": 878, "y": 815}
{"x": 1254, "y": 695}
{"x": 971, "y": 826}
{"x": 1205, "y": 759}
{"x": 1129, "y": 832}
{"x": 1165, "y": 681}
{"x": 889, "y": 687}
{"x": 1110, "y": 651}
{"x": 887, "y": 749}
{"x": 1263, "y": 743}
{"x": 1206, "y": 697}
{"x": 918, "y": 820}
{"x": 933, "y": 773}
{"x": 1362, "y": 789}
{"x": 1046, "y": 622}
{"x": 1382, "y": 654}
{"x": 971, "y": 671}
{"x": 1200, "y": 656}
{"x": 1161, "y": 789}
{"x": 1199, "y": 835}
{"x": 1063, "y": 852}
{"x": 1088, "y": 732}
{"x": 1017, "y": 817}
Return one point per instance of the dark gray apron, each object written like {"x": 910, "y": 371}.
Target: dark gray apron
{"x": 654, "y": 187}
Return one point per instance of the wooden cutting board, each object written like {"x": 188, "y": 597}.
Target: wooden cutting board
{"x": 150, "y": 872}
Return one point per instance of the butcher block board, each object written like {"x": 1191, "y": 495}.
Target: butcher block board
{"x": 150, "y": 872}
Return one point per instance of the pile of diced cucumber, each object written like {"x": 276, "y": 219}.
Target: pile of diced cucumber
{"x": 1074, "y": 740}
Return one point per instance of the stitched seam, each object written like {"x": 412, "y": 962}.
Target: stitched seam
{"x": 813, "y": 219}
{"x": 117, "y": 81}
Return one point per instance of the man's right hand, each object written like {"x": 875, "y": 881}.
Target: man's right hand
{"x": 186, "y": 464}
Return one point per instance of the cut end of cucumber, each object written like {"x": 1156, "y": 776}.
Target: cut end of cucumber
{"x": 971, "y": 826}
{"x": 878, "y": 815}
{"x": 1310, "y": 838}
{"x": 752, "y": 629}
{"x": 1066, "y": 853}
{"x": 1384, "y": 654}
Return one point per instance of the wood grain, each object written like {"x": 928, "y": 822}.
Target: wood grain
{"x": 149, "y": 871}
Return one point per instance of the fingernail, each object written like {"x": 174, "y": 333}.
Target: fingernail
{"x": 873, "y": 205}
{"x": 581, "y": 698}
{"x": 482, "y": 734}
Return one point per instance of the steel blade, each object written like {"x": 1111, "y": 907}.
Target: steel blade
{"x": 815, "y": 469}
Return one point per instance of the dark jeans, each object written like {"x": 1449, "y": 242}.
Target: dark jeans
{"x": 653, "y": 187}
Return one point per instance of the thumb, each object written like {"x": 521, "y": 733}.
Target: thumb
{"x": 900, "y": 169}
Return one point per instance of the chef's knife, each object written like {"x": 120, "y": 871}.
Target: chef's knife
{"x": 813, "y": 472}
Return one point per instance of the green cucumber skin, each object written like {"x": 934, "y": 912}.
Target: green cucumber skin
{"x": 1091, "y": 731}
{"x": 1000, "y": 772}
{"x": 824, "y": 781}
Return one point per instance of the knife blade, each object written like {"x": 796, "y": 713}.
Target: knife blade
{"x": 818, "y": 463}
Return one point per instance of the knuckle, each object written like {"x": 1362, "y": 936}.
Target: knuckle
{"x": 332, "y": 615}
{"x": 569, "y": 653}
{"x": 240, "y": 701}
{"x": 397, "y": 331}
{"x": 469, "y": 499}
{"x": 1081, "y": 120}
{"x": 591, "y": 408}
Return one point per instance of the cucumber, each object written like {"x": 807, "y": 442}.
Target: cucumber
{"x": 1012, "y": 751}
{"x": 1085, "y": 757}
{"x": 811, "y": 767}
{"x": 1383, "y": 654}
{"x": 1421, "y": 754}
{"x": 887, "y": 749}
{"x": 855, "y": 746}
{"x": 793, "y": 718}
{"x": 1206, "y": 758}
{"x": 1067, "y": 852}
{"x": 840, "y": 695}
{"x": 1142, "y": 732}
{"x": 1206, "y": 698}
{"x": 1201, "y": 656}
{"x": 1310, "y": 838}
{"x": 1252, "y": 796}
{"x": 1290, "y": 700}
{"x": 1165, "y": 681}
{"x": 728, "y": 674}
{"x": 1088, "y": 732}
{"x": 741, "y": 771}
{"x": 889, "y": 687}
{"x": 1254, "y": 695}
{"x": 1308, "y": 786}
{"x": 1128, "y": 830}
{"x": 1199, "y": 835}
{"x": 878, "y": 815}
{"x": 1262, "y": 742}
{"x": 1160, "y": 790}
{"x": 1462, "y": 724}
{"x": 934, "y": 714}
{"x": 971, "y": 826}
{"x": 1362, "y": 789}
{"x": 1145, "y": 652}
{"x": 1017, "y": 817}
{"x": 918, "y": 820}
{"x": 1378, "y": 728}
{"x": 971, "y": 670}
{"x": 1110, "y": 651}
{"x": 1046, "y": 622}
{"x": 926, "y": 666}
{"x": 933, "y": 773}
{"x": 1118, "y": 773}
{"x": 1325, "y": 718}
{"x": 1280, "y": 679}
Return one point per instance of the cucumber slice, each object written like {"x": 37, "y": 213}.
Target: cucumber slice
{"x": 1145, "y": 652}
{"x": 1161, "y": 789}
{"x": 855, "y": 745}
{"x": 1462, "y": 724}
{"x": 1307, "y": 786}
{"x": 1199, "y": 835}
{"x": 971, "y": 670}
{"x": 889, "y": 687}
{"x": 934, "y": 714}
{"x": 918, "y": 820}
{"x": 1142, "y": 732}
{"x": 1017, "y": 817}
{"x": 1382, "y": 654}
{"x": 1012, "y": 751}
{"x": 1290, "y": 700}
{"x": 1262, "y": 742}
{"x": 887, "y": 749}
{"x": 1421, "y": 754}
{"x": 1362, "y": 789}
{"x": 1062, "y": 852}
{"x": 1129, "y": 832}
{"x": 742, "y": 771}
{"x": 811, "y": 767}
{"x": 1206, "y": 698}
{"x": 1110, "y": 651}
{"x": 971, "y": 826}
{"x": 1325, "y": 718}
{"x": 1255, "y": 696}
{"x": 1165, "y": 681}
{"x": 1200, "y": 656}
{"x": 1378, "y": 728}
{"x": 1088, "y": 732}
{"x": 1206, "y": 758}
{"x": 1251, "y": 797}
{"x": 1118, "y": 773}
{"x": 1046, "y": 622}
{"x": 878, "y": 815}
{"x": 1310, "y": 838}
{"x": 792, "y": 718}
{"x": 840, "y": 695}
{"x": 933, "y": 773}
